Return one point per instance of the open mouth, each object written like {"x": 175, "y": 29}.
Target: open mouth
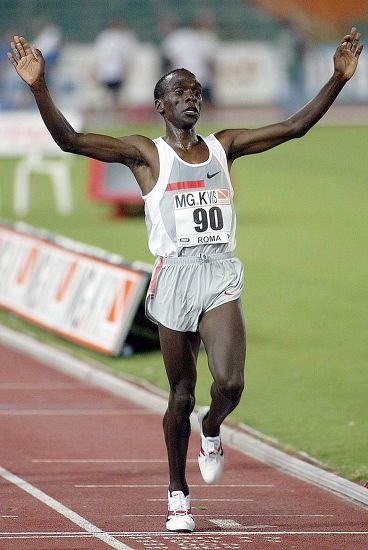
{"x": 191, "y": 111}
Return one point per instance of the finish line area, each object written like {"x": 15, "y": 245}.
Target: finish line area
{"x": 212, "y": 541}
{"x": 84, "y": 469}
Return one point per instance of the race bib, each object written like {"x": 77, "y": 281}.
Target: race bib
{"x": 202, "y": 217}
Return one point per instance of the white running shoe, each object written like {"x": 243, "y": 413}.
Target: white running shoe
{"x": 211, "y": 455}
{"x": 179, "y": 514}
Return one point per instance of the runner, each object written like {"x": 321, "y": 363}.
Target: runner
{"x": 197, "y": 281}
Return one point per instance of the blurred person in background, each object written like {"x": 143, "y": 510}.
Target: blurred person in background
{"x": 194, "y": 48}
{"x": 49, "y": 40}
{"x": 13, "y": 94}
{"x": 113, "y": 52}
{"x": 197, "y": 279}
{"x": 4, "y": 69}
{"x": 293, "y": 41}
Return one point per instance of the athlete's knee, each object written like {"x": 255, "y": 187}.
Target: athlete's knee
{"x": 231, "y": 388}
{"x": 182, "y": 401}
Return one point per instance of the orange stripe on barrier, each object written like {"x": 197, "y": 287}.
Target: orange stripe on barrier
{"x": 63, "y": 287}
{"x": 120, "y": 299}
{"x": 27, "y": 265}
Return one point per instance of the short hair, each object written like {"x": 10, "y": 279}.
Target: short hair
{"x": 161, "y": 84}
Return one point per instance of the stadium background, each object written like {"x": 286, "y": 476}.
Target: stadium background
{"x": 302, "y": 226}
{"x": 82, "y": 19}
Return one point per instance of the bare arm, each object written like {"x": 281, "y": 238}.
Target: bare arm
{"x": 137, "y": 152}
{"x": 243, "y": 142}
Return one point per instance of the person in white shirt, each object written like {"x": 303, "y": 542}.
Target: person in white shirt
{"x": 113, "y": 52}
{"x": 195, "y": 48}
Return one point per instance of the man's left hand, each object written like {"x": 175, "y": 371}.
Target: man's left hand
{"x": 347, "y": 55}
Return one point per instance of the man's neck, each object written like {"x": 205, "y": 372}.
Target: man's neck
{"x": 179, "y": 138}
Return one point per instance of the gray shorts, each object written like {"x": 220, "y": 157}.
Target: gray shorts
{"x": 182, "y": 289}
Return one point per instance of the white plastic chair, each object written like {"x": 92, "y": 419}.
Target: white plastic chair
{"x": 57, "y": 169}
{"x": 23, "y": 134}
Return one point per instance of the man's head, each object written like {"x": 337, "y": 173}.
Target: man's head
{"x": 161, "y": 85}
{"x": 179, "y": 94}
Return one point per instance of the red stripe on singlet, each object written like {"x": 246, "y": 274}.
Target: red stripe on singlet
{"x": 190, "y": 184}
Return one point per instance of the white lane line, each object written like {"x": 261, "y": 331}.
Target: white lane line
{"x": 164, "y": 534}
{"x": 235, "y": 533}
{"x": 102, "y": 461}
{"x": 197, "y": 515}
{"x": 17, "y": 536}
{"x": 274, "y": 515}
{"x": 61, "y": 509}
{"x": 206, "y": 499}
{"x": 8, "y": 517}
{"x": 73, "y": 412}
{"x": 152, "y": 485}
{"x": 258, "y": 526}
{"x": 43, "y": 386}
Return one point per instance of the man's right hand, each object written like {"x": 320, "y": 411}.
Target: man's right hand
{"x": 29, "y": 64}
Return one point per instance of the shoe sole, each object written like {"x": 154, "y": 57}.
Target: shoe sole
{"x": 180, "y": 529}
{"x": 211, "y": 479}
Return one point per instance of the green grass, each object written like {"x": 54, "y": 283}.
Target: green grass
{"x": 302, "y": 232}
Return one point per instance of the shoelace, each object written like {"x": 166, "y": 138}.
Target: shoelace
{"x": 213, "y": 446}
{"x": 178, "y": 506}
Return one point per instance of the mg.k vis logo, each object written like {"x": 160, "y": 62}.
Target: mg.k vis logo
{"x": 203, "y": 217}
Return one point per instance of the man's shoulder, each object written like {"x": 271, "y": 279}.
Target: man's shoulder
{"x": 139, "y": 147}
{"x": 223, "y": 139}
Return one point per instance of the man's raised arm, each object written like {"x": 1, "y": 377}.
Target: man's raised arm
{"x": 243, "y": 142}
{"x": 134, "y": 151}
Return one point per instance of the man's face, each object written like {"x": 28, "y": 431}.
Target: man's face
{"x": 181, "y": 101}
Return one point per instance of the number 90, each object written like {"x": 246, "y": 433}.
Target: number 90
{"x": 213, "y": 218}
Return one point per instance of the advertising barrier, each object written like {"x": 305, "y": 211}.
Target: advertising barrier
{"x": 248, "y": 73}
{"x": 86, "y": 295}
{"x": 24, "y": 132}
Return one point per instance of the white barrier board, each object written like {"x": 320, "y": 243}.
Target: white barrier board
{"x": 24, "y": 132}
{"x": 248, "y": 73}
{"x": 84, "y": 299}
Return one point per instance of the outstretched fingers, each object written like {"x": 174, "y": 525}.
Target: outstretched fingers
{"x": 355, "y": 47}
{"x": 358, "y": 51}
{"x": 355, "y": 42}
{"x": 351, "y": 41}
{"x": 20, "y": 48}
{"x": 15, "y": 54}
{"x": 12, "y": 59}
{"x": 26, "y": 47}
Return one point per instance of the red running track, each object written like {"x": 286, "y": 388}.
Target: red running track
{"x": 83, "y": 469}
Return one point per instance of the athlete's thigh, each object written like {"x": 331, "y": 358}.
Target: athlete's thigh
{"x": 222, "y": 330}
{"x": 180, "y": 353}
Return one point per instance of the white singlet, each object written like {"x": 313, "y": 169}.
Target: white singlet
{"x": 190, "y": 210}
